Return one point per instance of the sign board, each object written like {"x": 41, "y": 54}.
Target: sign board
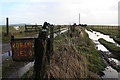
{"x": 22, "y": 49}
{"x": 32, "y": 28}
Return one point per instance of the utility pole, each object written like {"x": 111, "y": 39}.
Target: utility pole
{"x": 79, "y": 18}
{"x": 7, "y": 26}
{"x": 119, "y": 19}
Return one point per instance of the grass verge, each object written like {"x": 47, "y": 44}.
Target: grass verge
{"x": 74, "y": 57}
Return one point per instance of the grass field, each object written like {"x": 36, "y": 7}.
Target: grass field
{"x": 17, "y": 33}
{"x": 12, "y": 29}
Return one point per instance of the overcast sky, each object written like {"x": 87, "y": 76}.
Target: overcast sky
{"x": 59, "y": 11}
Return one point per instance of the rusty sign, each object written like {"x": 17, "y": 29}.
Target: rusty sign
{"x": 22, "y": 49}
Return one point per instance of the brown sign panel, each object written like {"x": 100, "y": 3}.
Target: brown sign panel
{"x": 23, "y": 49}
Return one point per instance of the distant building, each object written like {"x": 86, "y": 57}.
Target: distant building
{"x": 16, "y": 27}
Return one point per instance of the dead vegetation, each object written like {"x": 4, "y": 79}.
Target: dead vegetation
{"x": 67, "y": 61}
{"x": 74, "y": 57}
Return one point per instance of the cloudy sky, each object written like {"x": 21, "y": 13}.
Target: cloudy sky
{"x": 104, "y": 12}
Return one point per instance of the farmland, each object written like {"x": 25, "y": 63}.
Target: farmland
{"x": 17, "y": 33}
{"x": 74, "y": 54}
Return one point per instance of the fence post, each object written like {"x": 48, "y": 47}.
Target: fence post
{"x": 51, "y": 38}
{"x": 38, "y": 50}
{"x": 25, "y": 28}
{"x": 68, "y": 30}
{"x": 40, "y": 53}
{"x": 118, "y": 31}
{"x": 71, "y": 30}
{"x": 59, "y": 29}
{"x": 50, "y": 43}
{"x": 74, "y": 27}
{"x": 7, "y": 26}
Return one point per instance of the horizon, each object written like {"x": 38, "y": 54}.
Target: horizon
{"x": 62, "y": 24}
{"x": 60, "y": 12}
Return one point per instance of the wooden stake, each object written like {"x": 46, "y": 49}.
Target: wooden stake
{"x": 51, "y": 38}
{"x": 40, "y": 53}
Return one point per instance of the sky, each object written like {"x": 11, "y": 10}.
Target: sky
{"x": 92, "y": 12}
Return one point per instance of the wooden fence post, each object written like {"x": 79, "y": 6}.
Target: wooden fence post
{"x": 51, "y": 38}
{"x": 25, "y": 28}
{"x": 38, "y": 49}
{"x": 118, "y": 31}
{"x": 7, "y": 26}
{"x": 40, "y": 53}
{"x": 74, "y": 27}
{"x": 59, "y": 29}
{"x": 50, "y": 43}
{"x": 68, "y": 30}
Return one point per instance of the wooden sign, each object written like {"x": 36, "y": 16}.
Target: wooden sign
{"x": 32, "y": 28}
{"x": 22, "y": 49}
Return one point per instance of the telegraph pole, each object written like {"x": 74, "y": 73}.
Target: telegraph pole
{"x": 119, "y": 19}
{"x": 79, "y": 18}
{"x": 7, "y": 26}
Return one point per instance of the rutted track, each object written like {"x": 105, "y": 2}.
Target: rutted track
{"x": 113, "y": 67}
